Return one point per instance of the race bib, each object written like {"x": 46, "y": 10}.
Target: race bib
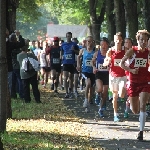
{"x": 88, "y": 63}
{"x": 117, "y": 62}
{"x": 68, "y": 56}
{"x": 56, "y": 60}
{"x": 140, "y": 62}
{"x": 102, "y": 68}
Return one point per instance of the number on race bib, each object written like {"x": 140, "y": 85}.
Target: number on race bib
{"x": 102, "y": 68}
{"x": 68, "y": 56}
{"x": 117, "y": 62}
{"x": 88, "y": 63}
{"x": 56, "y": 60}
{"x": 140, "y": 62}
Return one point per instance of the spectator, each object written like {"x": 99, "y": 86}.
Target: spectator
{"x": 29, "y": 77}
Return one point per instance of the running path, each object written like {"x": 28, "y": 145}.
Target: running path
{"x": 111, "y": 135}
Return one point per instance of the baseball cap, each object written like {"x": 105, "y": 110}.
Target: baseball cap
{"x": 55, "y": 39}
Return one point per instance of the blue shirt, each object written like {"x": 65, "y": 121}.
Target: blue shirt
{"x": 68, "y": 53}
{"x": 87, "y": 61}
{"x": 99, "y": 63}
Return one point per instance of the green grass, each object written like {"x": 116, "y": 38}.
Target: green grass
{"x": 46, "y": 126}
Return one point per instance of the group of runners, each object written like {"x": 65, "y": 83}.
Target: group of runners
{"x": 122, "y": 68}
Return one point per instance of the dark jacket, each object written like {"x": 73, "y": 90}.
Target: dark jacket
{"x": 10, "y": 46}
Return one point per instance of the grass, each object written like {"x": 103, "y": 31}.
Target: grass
{"x": 46, "y": 126}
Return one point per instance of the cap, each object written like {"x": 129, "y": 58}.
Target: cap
{"x": 55, "y": 39}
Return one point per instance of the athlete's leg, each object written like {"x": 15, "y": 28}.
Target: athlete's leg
{"x": 53, "y": 77}
{"x": 65, "y": 75}
{"x": 56, "y": 81}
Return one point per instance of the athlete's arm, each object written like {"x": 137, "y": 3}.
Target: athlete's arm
{"x": 94, "y": 59}
{"x": 107, "y": 59}
{"x": 94, "y": 62}
{"x": 128, "y": 55}
{"x": 75, "y": 48}
{"x": 79, "y": 59}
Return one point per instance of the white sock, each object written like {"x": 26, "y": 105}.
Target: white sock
{"x": 142, "y": 120}
{"x": 127, "y": 108}
{"x": 116, "y": 114}
{"x": 130, "y": 106}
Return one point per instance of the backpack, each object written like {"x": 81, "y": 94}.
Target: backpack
{"x": 29, "y": 65}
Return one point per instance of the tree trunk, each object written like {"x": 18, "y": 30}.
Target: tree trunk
{"x": 146, "y": 13}
{"x": 11, "y": 7}
{"x": 131, "y": 18}
{"x": 1, "y": 144}
{"x": 120, "y": 17}
{"x": 3, "y": 66}
{"x": 110, "y": 20}
{"x": 96, "y": 21}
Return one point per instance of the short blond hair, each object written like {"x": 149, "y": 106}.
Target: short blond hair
{"x": 142, "y": 32}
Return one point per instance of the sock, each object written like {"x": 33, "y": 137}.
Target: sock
{"x": 116, "y": 114}
{"x": 142, "y": 120}
{"x": 127, "y": 107}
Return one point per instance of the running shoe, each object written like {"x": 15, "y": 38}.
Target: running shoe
{"x": 62, "y": 88}
{"x": 140, "y": 136}
{"x": 101, "y": 114}
{"x": 70, "y": 95}
{"x": 76, "y": 94}
{"x": 67, "y": 95}
{"x": 116, "y": 119}
{"x": 85, "y": 104}
{"x": 52, "y": 87}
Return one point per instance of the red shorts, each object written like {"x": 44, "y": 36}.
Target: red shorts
{"x": 134, "y": 89}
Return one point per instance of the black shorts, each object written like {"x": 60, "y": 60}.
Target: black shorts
{"x": 56, "y": 67}
{"x": 69, "y": 67}
{"x": 47, "y": 69}
{"x": 103, "y": 76}
{"x": 87, "y": 75}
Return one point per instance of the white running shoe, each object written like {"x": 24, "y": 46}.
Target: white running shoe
{"x": 85, "y": 104}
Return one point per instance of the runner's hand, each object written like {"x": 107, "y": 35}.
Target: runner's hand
{"x": 134, "y": 71}
{"x": 94, "y": 70}
{"x": 78, "y": 68}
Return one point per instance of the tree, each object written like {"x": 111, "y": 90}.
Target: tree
{"x": 11, "y": 7}
{"x": 3, "y": 70}
{"x": 96, "y": 18}
{"x": 110, "y": 17}
{"x": 3, "y": 66}
{"x": 131, "y": 17}
{"x": 120, "y": 17}
{"x": 146, "y": 14}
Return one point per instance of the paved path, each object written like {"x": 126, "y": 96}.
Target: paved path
{"x": 112, "y": 135}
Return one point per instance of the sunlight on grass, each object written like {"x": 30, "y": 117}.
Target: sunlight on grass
{"x": 46, "y": 126}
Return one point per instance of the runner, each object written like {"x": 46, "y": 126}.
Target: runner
{"x": 117, "y": 78}
{"x": 76, "y": 73}
{"x": 69, "y": 49}
{"x": 55, "y": 63}
{"x": 87, "y": 69}
{"x": 101, "y": 74}
{"x": 127, "y": 45}
{"x": 45, "y": 65}
{"x": 138, "y": 76}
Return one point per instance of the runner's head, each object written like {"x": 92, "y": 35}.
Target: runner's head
{"x": 104, "y": 44}
{"x": 142, "y": 38}
{"x": 118, "y": 38}
{"x": 68, "y": 36}
{"x": 128, "y": 43}
{"x": 90, "y": 43}
{"x": 56, "y": 41}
